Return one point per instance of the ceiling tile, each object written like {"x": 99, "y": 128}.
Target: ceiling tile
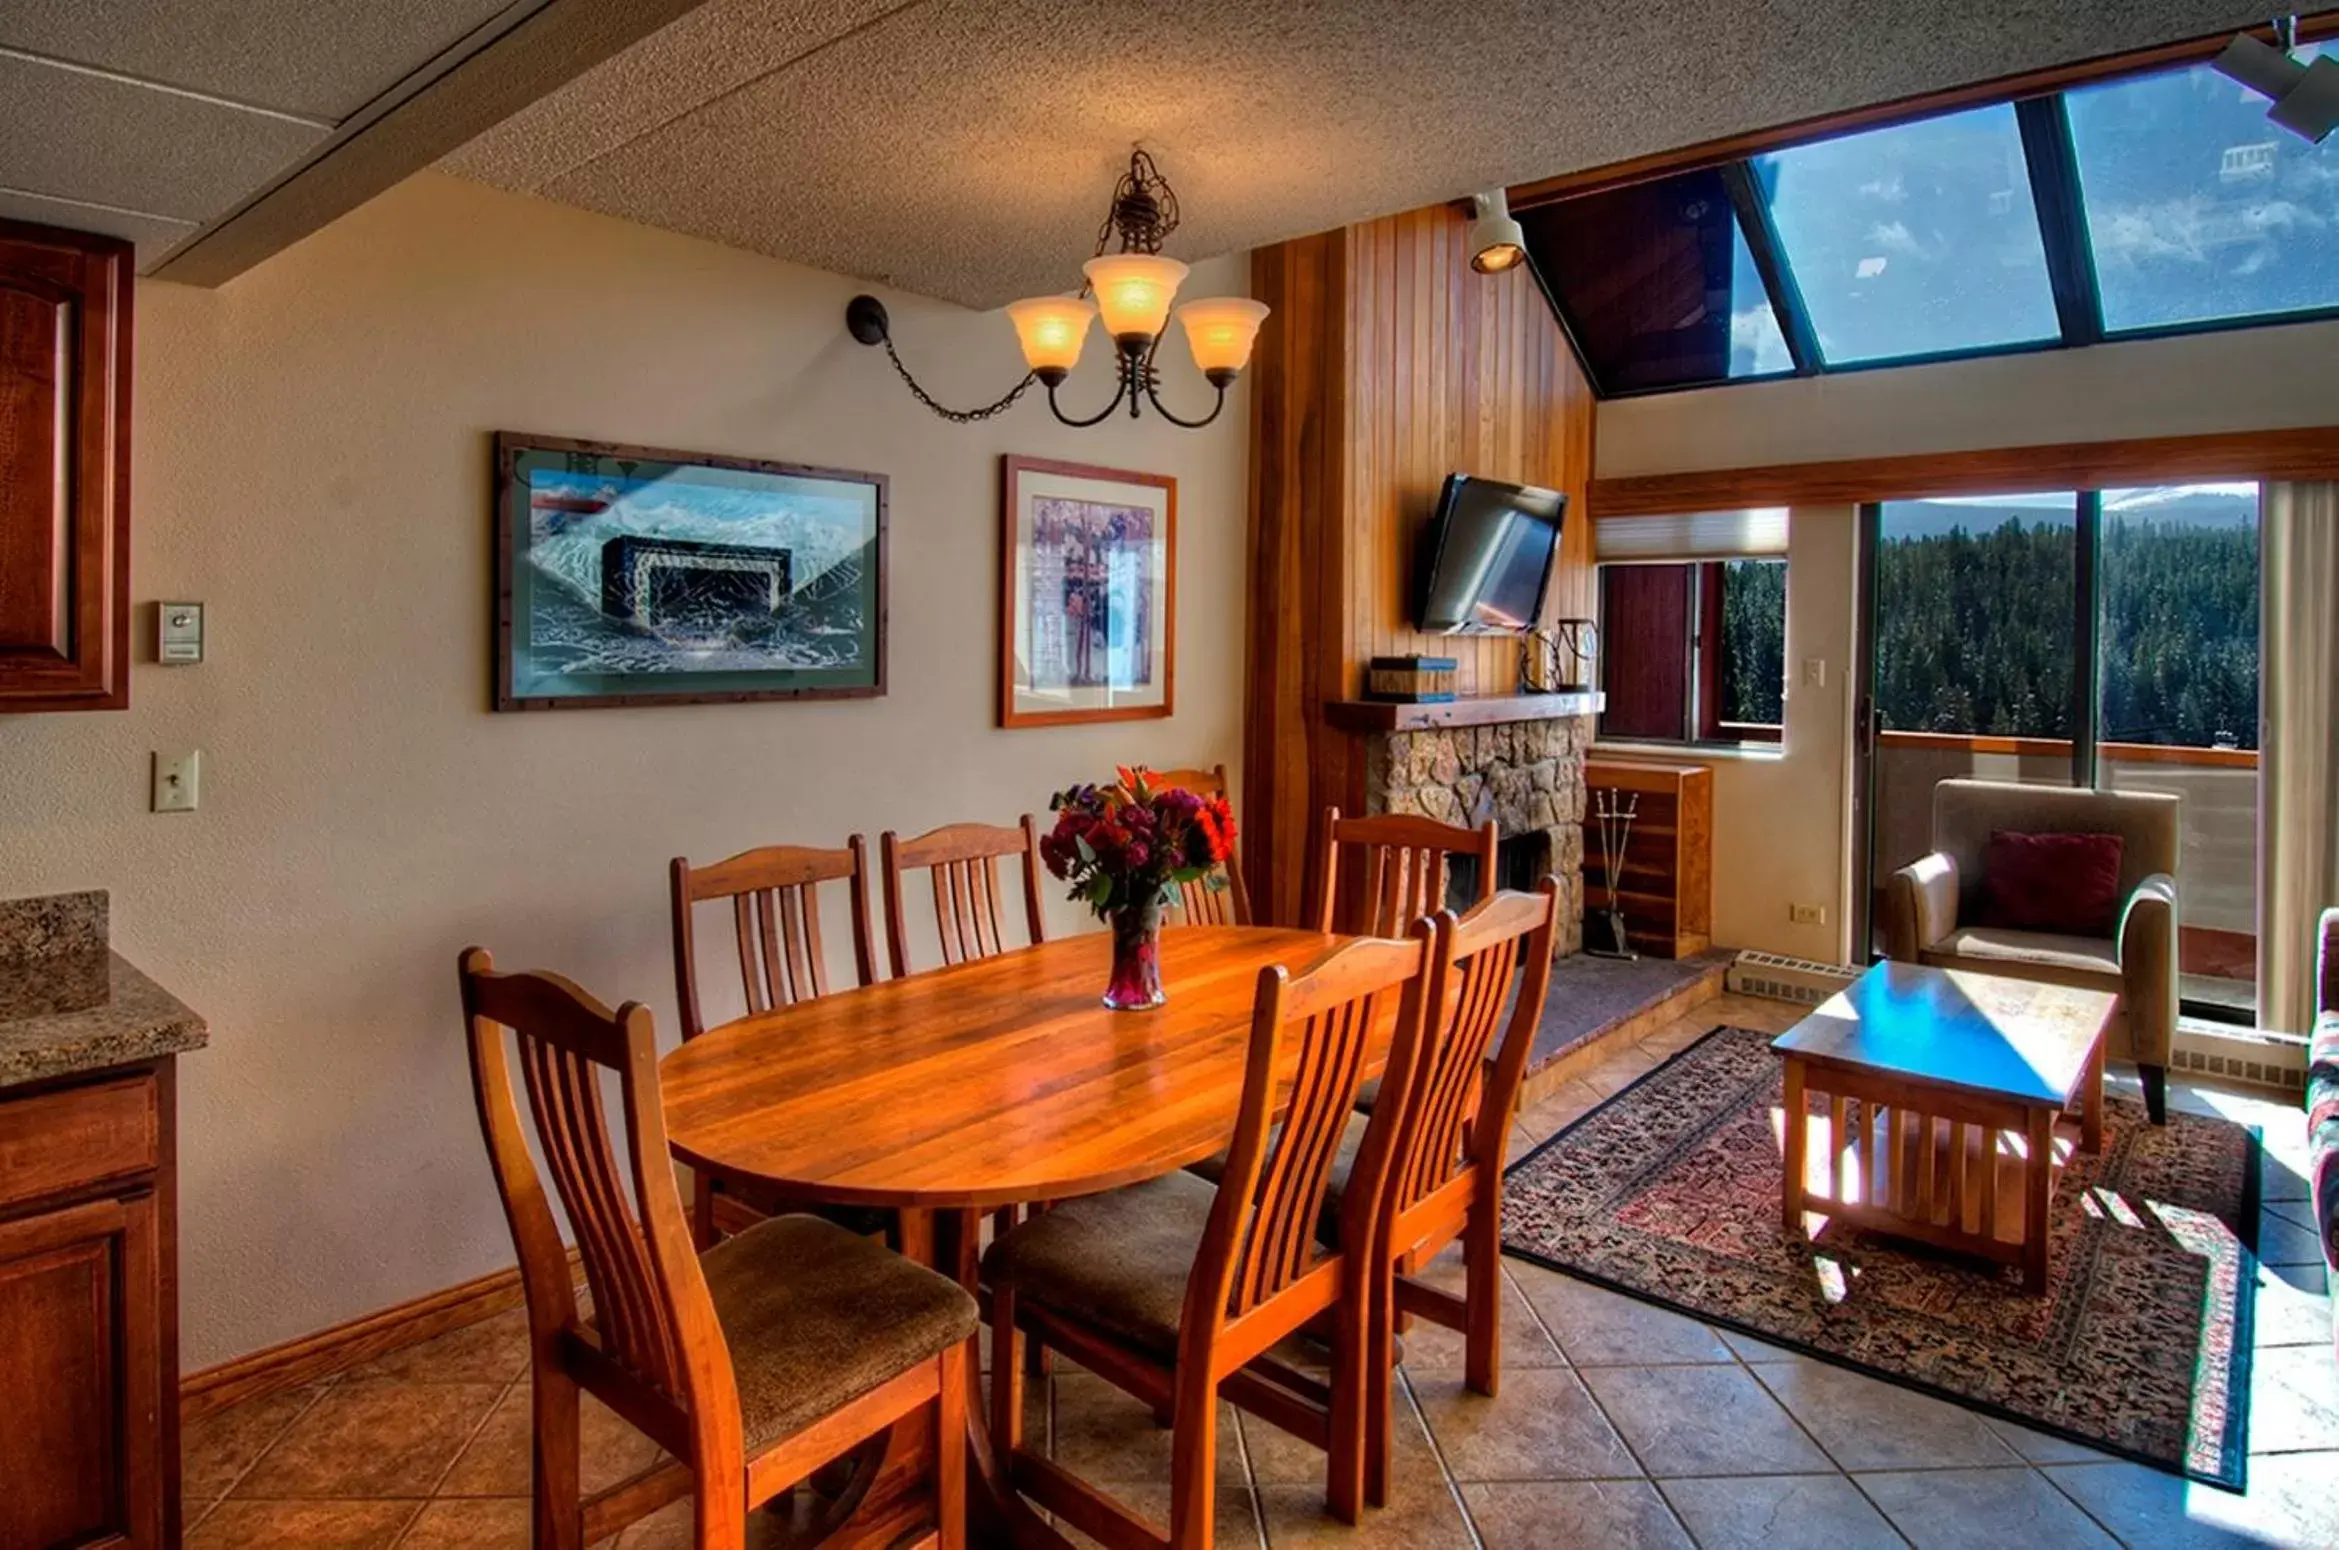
{"x": 69, "y": 134}
{"x": 154, "y": 235}
{"x": 318, "y": 58}
{"x": 965, "y": 148}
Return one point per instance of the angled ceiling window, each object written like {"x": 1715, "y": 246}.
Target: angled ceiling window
{"x": 1917, "y": 240}
{"x": 1657, "y": 285}
{"x": 2199, "y": 210}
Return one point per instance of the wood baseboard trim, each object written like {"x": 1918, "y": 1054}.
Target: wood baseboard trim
{"x": 329, "y": 1351}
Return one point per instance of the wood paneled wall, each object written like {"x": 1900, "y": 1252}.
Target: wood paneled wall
{"x": 1388, "y": 363}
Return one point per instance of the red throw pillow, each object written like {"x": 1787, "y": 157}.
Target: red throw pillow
{"x": 2066, "y": 883}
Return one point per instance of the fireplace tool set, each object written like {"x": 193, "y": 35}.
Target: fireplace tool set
{"x": 1604, "y": 935}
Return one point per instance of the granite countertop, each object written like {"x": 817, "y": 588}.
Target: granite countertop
{"x": 69, "y": 1003}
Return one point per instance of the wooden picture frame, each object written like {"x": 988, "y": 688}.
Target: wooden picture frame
{"x": 1088, "y": 593}
{"x": 632, "y": 575}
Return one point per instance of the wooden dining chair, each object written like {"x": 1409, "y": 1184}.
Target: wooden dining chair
{"x": 753, "y": 1364}
{"x": 1403, "y": 864}
{"x": 774, "y": 894}
{"x": 1444, "y": 1179}
{"x": 963, "y": 862}
{"x": 1170, "y": 1289}
{"x": 1228, "y": 905}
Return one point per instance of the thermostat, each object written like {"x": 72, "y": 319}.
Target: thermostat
{"x": 178, "y": 632}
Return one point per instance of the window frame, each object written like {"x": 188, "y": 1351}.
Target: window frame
{"x": 1701, "y": 723}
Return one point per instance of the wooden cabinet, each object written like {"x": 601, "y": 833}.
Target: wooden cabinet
{"x": 88, "y": 1322}
{"x": 65, "y": 304}
{"x": 1667, "y": 881}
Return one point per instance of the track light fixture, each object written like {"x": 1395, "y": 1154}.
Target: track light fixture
{"x": 1131, "y": 289}
{"x": 1496, "y": 243}
{"x": 2306, "y": 96}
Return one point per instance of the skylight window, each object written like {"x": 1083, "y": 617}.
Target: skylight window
{"x": 1920, "y": 239}
{"x": 2198, "y": 209}
{"x": 1657, "y": 285}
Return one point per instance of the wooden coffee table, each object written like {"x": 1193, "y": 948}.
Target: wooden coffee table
{"x": 1946, "y": 1094}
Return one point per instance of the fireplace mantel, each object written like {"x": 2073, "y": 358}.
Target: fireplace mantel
{"x": 1482, "y": 710}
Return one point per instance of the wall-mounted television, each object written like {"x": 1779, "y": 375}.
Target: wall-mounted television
{"x": 1486, "y": 556}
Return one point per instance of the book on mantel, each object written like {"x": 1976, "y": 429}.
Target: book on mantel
{"x": 1410, "y": 680}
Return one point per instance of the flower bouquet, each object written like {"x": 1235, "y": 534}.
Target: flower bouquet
{"x": 1125, "y": 848}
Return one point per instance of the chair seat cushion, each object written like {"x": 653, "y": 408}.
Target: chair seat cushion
{"x": 1368, "y": 1094}
{"x": 1118, "y": 1260}
{"x": 816, "y": 1316}
{"x": 2090, "y": 962}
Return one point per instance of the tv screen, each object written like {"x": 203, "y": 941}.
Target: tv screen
{"x": 1488, "y": 554}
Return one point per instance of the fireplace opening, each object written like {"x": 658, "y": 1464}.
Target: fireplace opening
{"x": 1520, "y": 860}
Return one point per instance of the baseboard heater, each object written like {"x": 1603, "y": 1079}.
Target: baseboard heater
{"x": 1780, "y": 978}
{"x": 2277, "y": 1060}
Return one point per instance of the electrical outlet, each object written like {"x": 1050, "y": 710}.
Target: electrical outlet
{"x": 178, "y": 781}
{"x": 1807, "y": 914}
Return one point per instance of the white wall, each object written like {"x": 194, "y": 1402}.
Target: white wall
{"x": 2251, "y": 379}
{"x": 312, "y": 462}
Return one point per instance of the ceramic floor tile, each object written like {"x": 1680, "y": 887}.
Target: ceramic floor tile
{"x": 2294, "y": 1404}
{"x": 315, "y": 1525}
{"x": 1675, "y": 1037}
{"x": 371, "y": 1439}
{"x": 1574, "y": 1515}
{"x": 2282, "y": 1241}
{"x": 1596, "y": 1327}
{"x": 215, "y": 1451}
{"x": 1103, "y": 1435}
{"x": 1620, "y": 1071}
{"x": 1276, "y": 1457}
{"x": 1554, "y": 1112}
{"x": 1981, "y": 1509}
{"x": 2291, "y": 1502}
{"x": 472, "y": 1523}
{"x": 669, "y": 1528}
{"x": 1432, "y": 1347}
{"x": 2039, "y": 1448}
{"x": 1703, "y": 1421}
{"x": 2293, "y": 1308}
{"x": 1779, "y": 1512}
{"x": 1865, "y": 1423}
{"x": 1235, "y": 1522}
{"x": 1427, "y": 1518}
{"x": 1754, "y": 1352}
{"x": 1542, "y": 1426}
{"x": 496, "y": 1461}
{"x": 2280, "y": 1180}
{"x": 494, "y": 1350}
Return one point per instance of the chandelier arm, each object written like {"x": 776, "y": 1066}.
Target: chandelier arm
{"x": 1163, "y": 409}
{"x": 1097, "y": 418}
{"x": 957, "y": 416}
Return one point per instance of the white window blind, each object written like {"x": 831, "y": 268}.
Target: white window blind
{"x": 1700, "y": 535}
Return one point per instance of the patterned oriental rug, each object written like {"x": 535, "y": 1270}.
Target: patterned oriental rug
{"x": 1669, "y": 1192}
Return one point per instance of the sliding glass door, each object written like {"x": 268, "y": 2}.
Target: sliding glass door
{"x": 2092, "y": 638}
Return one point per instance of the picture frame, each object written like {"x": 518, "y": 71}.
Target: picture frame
{"x": 629, "y": 575}
{"x": 1087, "y": 593}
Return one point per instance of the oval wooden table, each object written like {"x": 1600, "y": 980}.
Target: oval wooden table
{"x": 956, "y": 1091}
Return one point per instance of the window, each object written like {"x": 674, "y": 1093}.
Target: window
{"x": 1921, "y": 239}
{"x": 1657, "y": 284}
{"x": 2199, "y": 209}
{"x": 1694, "y": 652}
{"x": 1974, "y": 602}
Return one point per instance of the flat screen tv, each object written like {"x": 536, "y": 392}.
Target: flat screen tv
{"x": 1486, "y": 556}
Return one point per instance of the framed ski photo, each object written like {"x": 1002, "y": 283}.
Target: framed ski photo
{"x": 643, "y": 576}
{"x": 1087, "y": 593}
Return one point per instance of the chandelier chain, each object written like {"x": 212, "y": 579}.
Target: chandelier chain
{"x": 956, "y": 416}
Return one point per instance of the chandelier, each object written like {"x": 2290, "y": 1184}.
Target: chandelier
{"x": 1132, "y": 289}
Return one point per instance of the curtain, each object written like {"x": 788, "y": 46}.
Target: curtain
{"x": 2298, "y": 740}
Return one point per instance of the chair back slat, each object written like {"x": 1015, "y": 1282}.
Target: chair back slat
{"x": 1463, "y": 1086}
{"x": 961, "y": 861}
{"x": 1320, "y": 1027}
{"x": 1403, "y": 870}
{"x": 652, "y": 1316}
{"x": 774, "y": 892}
{"x": 1227, "y": 904}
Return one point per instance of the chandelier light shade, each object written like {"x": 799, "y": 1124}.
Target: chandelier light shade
{"x": 1219, "y": 333}
{"x": 1051, "y": 330}
{"x": 1133, "y": 290}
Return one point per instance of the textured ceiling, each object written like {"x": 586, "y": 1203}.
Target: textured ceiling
{"x": 964, "y": 148}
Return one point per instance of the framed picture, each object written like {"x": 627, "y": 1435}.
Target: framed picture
{"x": 640, "y": 576}
{"x": 1088, "y": 593}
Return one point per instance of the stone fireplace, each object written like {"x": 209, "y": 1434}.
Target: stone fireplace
{"x": 1528, "y": 776}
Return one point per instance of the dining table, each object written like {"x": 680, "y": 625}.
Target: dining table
{"x": 952, "y": 1093}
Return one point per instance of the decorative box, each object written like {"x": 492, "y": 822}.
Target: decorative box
{"x": 1410, "y": 680}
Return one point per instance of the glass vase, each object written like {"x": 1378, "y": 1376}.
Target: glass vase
{"x": 1136, "y": 981}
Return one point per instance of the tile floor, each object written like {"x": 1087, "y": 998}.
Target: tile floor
{"x": 1618, "y": 1425}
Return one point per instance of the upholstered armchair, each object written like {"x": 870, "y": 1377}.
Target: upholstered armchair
{"x": 1933, "y": 909}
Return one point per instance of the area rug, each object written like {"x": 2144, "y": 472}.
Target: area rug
{"x": 2140, "y": 1346}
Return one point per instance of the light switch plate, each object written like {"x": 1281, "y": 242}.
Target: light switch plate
{"x": 178, "y": 633}
{"x": 178, "y": 781}
{"x": 1807, "y": 914}
{"x": 1815, "y": 672}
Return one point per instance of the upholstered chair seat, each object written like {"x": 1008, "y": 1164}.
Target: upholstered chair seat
{"x": 1935, "y": 908}
{"x": 1118, "y": 1260}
